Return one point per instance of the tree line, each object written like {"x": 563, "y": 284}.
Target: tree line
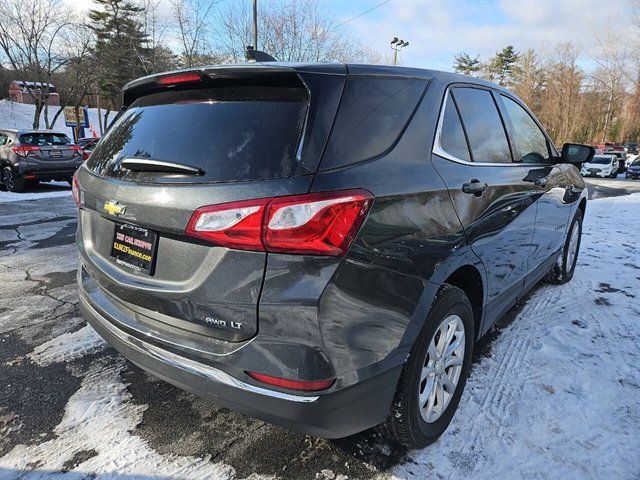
{"x": 89, "y": 58}
{"x": 602, "y": 105}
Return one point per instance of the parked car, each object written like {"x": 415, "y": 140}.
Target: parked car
{"x": 88, "y": 147}
{"x": 36, "y": 155}
{"x": 320, "y": 245}
{"x": 608, "y": 146}
{"x": 600, "y": 166}
{"x": 631, "y": 148}
{"x": 633, "y": 171}
{"x": 621, "y": 157}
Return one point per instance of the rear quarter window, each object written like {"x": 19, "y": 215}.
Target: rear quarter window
{"x": 372, "y": 115}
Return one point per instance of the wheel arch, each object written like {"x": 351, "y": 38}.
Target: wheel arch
{"x": 468, "y": 279}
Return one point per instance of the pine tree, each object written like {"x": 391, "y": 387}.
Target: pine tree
{"x": 466, "y": 65}
{"x": 120, "y": 50}
{"x": 500, "y": 67}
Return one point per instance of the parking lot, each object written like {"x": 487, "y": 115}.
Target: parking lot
{"x": 554, "y": 391}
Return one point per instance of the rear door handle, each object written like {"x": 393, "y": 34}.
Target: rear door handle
{"x": 475, "y": 187}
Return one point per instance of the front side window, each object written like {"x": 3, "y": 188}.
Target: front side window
{"x": 530, "y": 143}
{"x": 452, "y": 137}
{"x": 482, "y": 122}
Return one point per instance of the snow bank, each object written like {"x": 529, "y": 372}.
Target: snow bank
{"x": 20, "y": 116}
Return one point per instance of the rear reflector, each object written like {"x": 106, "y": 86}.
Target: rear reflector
{"x": 317, "y": 224}
{"x": 301, "y": 385}
{"x": 23, "y": 150}
{"x": 180, "y": 78}
{"x": 75, "y": 190}
{"x": 30, "y": 177}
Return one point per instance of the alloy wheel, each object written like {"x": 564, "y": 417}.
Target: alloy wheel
{"x": 572, "y": 248}
{"x": 7, "y": 179}
{"x": 441, "y": 369}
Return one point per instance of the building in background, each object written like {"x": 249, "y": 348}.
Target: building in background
{"x": 21, "y": 92}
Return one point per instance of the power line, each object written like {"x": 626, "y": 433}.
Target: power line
{"x": 361, "y": 14}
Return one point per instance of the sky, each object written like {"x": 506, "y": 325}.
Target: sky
{"x": 437, "y": 30}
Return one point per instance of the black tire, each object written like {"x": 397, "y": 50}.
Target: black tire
{"x": 11, "y": 183}
{"x": 405, "y": 424}
{"x": 561, "y": 271}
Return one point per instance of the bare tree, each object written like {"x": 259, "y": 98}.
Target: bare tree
{"x": 30, "y": 40}
{"x": 292, "y": 30}
{"x": 76, "y": 80}
{"x": 193, "y": 25}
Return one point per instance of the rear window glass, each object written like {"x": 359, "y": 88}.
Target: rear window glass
{"x": 373, "y": 113}
{"x": 230, "y": 134}
{"x": 602, "y": 160}
{"x": 44, "y": 139}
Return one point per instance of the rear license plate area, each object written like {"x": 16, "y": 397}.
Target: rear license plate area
{"x": 135, "y": 247}
{"x": 55, "y": 154}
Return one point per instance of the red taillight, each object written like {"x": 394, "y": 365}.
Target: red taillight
{"x": 75, "y": 190}
{"x": 76, "y": 149}
{"x": 23, "y": 150}
{"x": 180, "y": 78}
{"x": 301, "y": 385}
{"x": 233, "y": 225}
{"x": 85, "y": 155}
{"x": 316, "y": 224}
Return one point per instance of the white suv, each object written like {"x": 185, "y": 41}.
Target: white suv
{"x": 600, "y": 166}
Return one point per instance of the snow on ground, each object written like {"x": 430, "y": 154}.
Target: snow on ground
{"x": 68, "y": 346}
{"x": 20, "y": 116}
{"x": 559, "y": 395}
{"x": 100, "y": 418}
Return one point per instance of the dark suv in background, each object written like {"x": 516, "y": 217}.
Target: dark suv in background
{"x": 36, "y": 155}
{"x": 320, "y": 245}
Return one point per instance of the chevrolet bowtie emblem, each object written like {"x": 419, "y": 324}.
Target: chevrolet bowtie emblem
{"x": 114, "y": 208}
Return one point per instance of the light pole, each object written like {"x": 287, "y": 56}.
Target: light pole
{"x": 397, "y": 44}
{"x": 255, "y": 24}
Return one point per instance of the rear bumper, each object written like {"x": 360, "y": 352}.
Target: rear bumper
{"x": 332, "y": 414}
{"x": 40, "y": 174}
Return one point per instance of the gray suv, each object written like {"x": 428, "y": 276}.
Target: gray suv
{"x": 321, "y": 245}
{"x": 36, "y": 155}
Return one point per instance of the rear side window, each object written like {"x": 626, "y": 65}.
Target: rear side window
{"x": 482, "y": 122}
{"x": 372, "y": 115}
{"x": 452, "y": 137}
{"x": 530, "y": 143}
{"x": 235, "y": 133}
{"x": 44, "y": 139}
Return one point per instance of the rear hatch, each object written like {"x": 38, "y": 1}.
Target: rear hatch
{"x": 178, "y": 147}
{"x": 47, "y": 151}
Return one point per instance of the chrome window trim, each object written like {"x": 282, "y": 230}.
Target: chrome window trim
{"x": 441, "y": 152}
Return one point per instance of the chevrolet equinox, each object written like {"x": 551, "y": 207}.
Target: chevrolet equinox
{"x": 321, "y": 245}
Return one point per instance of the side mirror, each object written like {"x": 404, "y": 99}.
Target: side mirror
{"x": 577, "y": 153}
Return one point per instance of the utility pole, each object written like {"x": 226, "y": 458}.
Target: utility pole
{"x": 255, "y": 24}
{"x": 397, "y": 44}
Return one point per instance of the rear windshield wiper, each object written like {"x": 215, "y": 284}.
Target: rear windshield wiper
{"x": 147, "y": 165}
